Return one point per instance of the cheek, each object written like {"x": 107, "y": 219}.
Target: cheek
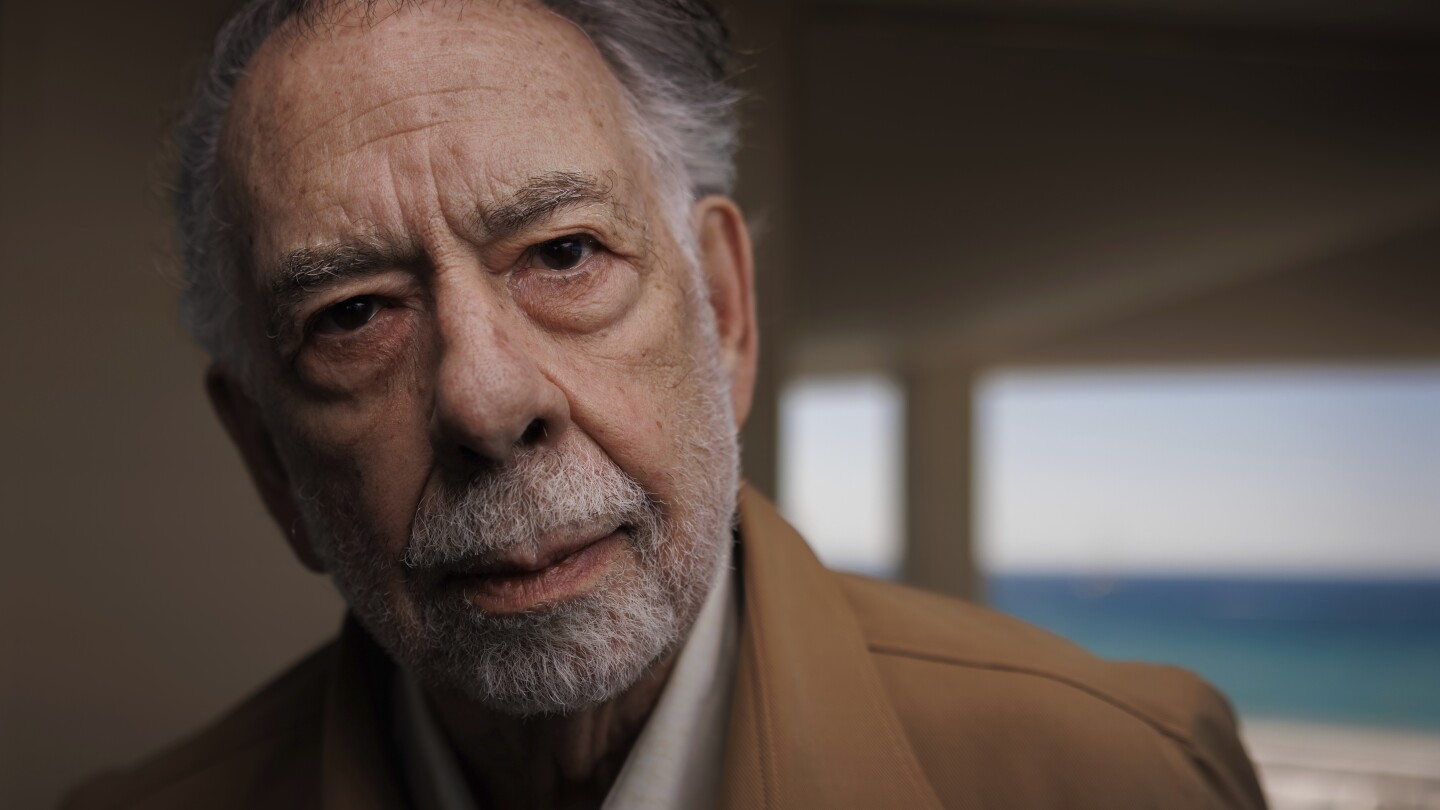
{"x": 643, "y": 408}
{"x": 373, "y": 456}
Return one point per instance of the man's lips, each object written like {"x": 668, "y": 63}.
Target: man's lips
{"x": 548, "y": 551}
{"x": 522, "y": 580}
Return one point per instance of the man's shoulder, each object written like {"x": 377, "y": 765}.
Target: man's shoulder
{"x": 899, "y": 621}
{"x": 961, "y": 675}
{"x": 271, "y": 739}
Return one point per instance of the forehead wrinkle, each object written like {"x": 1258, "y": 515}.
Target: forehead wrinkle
{"x": 303, "y": 52}
{"x": 281, "y": 75}
{"x": 289, "y": 98}
{"x": 356, "y": 117}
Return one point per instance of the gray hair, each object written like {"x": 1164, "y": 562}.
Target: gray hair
{"x": 671, "y": 58}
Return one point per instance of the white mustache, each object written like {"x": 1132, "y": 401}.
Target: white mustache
{"x": 572, "y": 487}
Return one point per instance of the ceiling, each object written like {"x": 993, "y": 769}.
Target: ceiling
{"x": 989, "y": 197}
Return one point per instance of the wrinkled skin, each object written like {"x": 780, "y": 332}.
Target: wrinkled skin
{"x": 409, "y": 137}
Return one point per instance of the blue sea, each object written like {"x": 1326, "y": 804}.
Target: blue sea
{"x": 1363, "y": 652}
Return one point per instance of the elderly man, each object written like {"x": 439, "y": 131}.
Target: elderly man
{"x": 483, "y": 330}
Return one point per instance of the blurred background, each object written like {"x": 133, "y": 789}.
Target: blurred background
{"x": 1120, "y": 316}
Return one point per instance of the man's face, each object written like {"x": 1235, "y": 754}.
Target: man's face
{"x": 495, "y": 385}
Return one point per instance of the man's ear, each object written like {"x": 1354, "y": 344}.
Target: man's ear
{"x": 241, "y": 417}
{"x": 728, "y": 265}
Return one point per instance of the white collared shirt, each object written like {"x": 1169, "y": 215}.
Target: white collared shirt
{"x": 677, "y": 760}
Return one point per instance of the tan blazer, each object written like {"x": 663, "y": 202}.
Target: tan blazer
{"x": 851, "y": 693}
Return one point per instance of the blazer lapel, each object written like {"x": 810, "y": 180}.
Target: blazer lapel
{"x": 811, "y": 724}
{"x": 357, "y": 770}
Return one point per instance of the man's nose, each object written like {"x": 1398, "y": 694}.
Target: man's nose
{"x": 492, "y": 399}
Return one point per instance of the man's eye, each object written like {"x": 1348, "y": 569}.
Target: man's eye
{"x": 565, "y": 253}
{"x": 348, "y": 315}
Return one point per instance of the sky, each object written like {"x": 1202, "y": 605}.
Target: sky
{"x": 1258, "y": 471}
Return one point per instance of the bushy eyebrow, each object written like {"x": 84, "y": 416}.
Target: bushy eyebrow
{"x": 302, "y": 272}
{"x": 537, "y": 199}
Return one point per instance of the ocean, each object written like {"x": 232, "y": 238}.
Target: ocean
{"x": 1345, "y": 651}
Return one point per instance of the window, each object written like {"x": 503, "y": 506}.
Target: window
{"x": 841, "y": 477}
{"x": 1276, "y": 531}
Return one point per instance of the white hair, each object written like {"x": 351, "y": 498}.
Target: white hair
{"x": 669, "y": 56}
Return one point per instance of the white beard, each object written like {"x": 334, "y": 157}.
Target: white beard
{"x": 565, "y": 657}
